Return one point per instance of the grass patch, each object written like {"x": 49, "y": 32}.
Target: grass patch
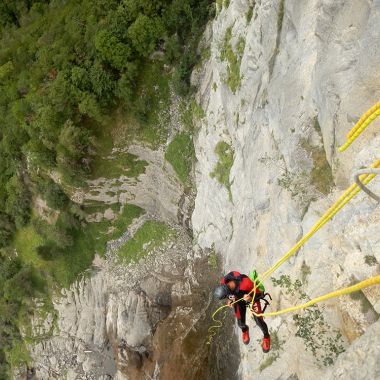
{"x": 280, "y": 15}
{"x": 89, "y": 239}
{"x": 190, "y": 113}
{"x": 213, "y": 261}
{"x": 222, "y": 169}
{"x": 150, "y": 116}
{"x": 121, "y": 163}
{"x": 267, "y": 362}
{"x": 321, "y": 173}
{"x": 150, "y": 235}
{"x": 26, "y": 240}
{"x": 17, "y": 354}
{"x": 180, "y": 154}
{"x": 249, "y": 14}
{"x": 110, "y": 164}
{"x": 128, "y": 214}
{"x": 233, "y": 59}
{"x": 96, "y": 206}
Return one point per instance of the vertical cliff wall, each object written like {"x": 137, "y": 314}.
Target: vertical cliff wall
{"x": 284, "y": 83}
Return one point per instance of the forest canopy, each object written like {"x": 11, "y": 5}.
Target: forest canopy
{"x": 64, "y": 66}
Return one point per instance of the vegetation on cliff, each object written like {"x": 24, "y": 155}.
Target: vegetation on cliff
{"x": 68, "y": 69}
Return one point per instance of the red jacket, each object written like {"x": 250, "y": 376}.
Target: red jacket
{"x": 243, "y": 284}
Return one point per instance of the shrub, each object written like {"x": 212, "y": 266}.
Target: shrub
{"x": 6, "y": 229}
{"x": 18, "y": 201}
{"x": 180, "y": 154}
{"x": 222, "y": 169}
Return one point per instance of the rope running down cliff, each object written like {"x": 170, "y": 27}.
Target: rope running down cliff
{"x": 354, "y": 189}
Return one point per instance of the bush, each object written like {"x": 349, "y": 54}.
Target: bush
{"x": 18, "y": 201}
{"x": 222, "y": 169}
{"x": 180, "y": 154}
{"x": 181, "y": 77}
{"x": 6, "y": 229}
{"x": 51, "y": 192}
{"x": 47, "y": 252}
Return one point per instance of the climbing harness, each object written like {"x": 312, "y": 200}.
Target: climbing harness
{"x": 266, "y": 302}
{"x": 363, "y": 178}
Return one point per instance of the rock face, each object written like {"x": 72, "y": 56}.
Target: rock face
{"x": 308, "y": 70}
{"x": 130, "y": 322}
{"x": 285, "y": 81}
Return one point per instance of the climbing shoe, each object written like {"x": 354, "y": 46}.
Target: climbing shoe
{"x": 266, "y": 344}
{"x": 246, "y": 336}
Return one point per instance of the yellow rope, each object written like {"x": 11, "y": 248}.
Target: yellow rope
{"x": 361, "y": 125}
{"x": 337, "y": 206}
{"x": 333, "y": 210}
{"x": 350, "y": 289}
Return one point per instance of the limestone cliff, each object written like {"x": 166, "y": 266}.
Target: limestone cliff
{"x": 282, "y": 83}
{"x": 285, "y": 82}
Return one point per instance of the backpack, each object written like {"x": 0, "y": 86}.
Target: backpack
{"x": 254, "y": 277}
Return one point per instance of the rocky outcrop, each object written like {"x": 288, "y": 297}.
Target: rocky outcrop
{"x": 295, "y": 78}
{"x": 284, "y": 83}
{"x": 130, "y": 322}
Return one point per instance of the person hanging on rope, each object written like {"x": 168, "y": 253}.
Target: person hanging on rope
{"x": 234, "y": 286}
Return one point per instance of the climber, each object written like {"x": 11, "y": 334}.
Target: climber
{"x": 235, "y": 286}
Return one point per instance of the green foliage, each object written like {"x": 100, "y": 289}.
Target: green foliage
{"x": 213, "y": 261}
{"x": 280, "y": 15}
{"x": 150, "y": 116}
{"x": 185, "y": 20}
{"x": 120, "y": 163}
{"x": 112, "y": 50}
{"x": 191, "y": 112}
{"x": 321, "y": 173}
{"x": 180, "y": 154}
{"x": 65, "y": 67}
{"x": 52, "y": 193}
{"x": 325, "y": 343}
{"x": 222, "y": 169}
{"x": 249, "y": 13}
{"x": 6, "y": 69}
{"x": 368, "y": 259}
{"x": 18, "y": 201}
{"x": 149, "y": 236}
{"x": 233, "y": 59}
{"x": 19, "y": 283}
{"x": 6, "y": 229}
{"x": 144, "y": 34}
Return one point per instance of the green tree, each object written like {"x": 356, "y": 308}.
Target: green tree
{"x": 18, "y": 201}
{"x": 6, "y": 229}
{"x": 72, "y": 148}
{"x": 102, "y": 83}
{"x": 125, "y": 87}
{"x": 89, "y": 106}
{"x": 112, "y": 50}
{"x": 144, "y": 34}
